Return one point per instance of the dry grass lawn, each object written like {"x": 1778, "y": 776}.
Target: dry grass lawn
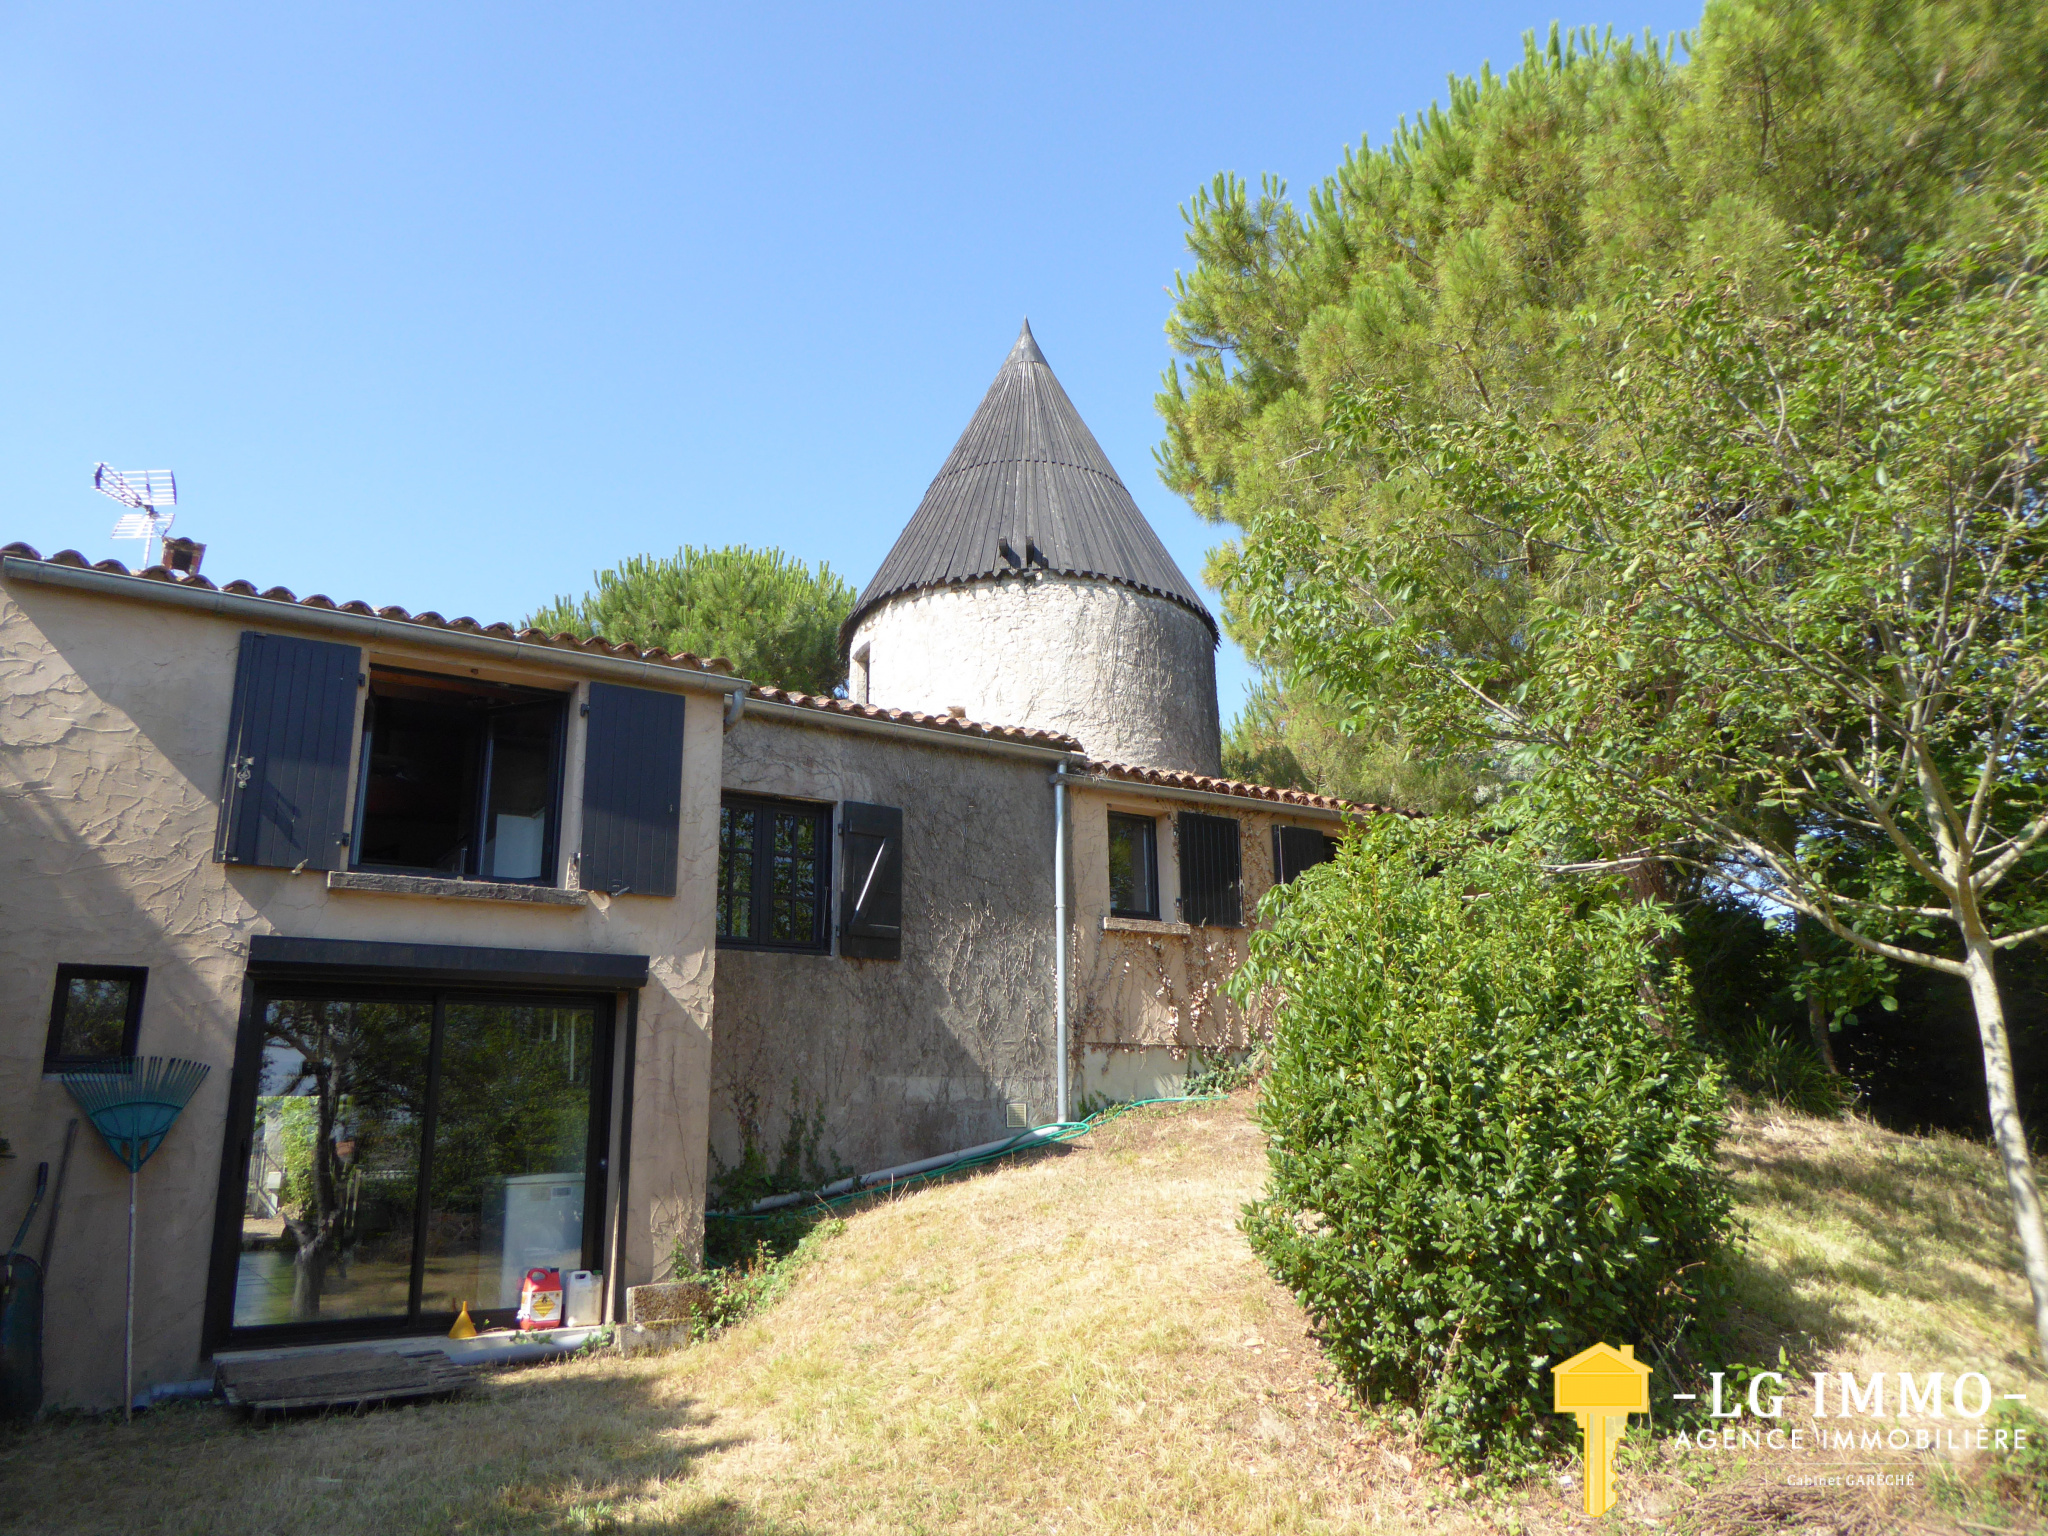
{"x": 1077, "y": 1342}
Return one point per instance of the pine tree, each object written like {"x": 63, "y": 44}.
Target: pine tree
{"x": 774, "y": 618}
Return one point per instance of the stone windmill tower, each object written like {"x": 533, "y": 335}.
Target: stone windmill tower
{"x": 1028, "y": 589}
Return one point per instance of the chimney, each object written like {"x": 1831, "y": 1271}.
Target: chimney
{"x": 183, "y": 555}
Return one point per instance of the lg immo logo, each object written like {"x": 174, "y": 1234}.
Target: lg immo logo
{"x": 1846, "y": 1413}
{"x": 1601, "y": 1386}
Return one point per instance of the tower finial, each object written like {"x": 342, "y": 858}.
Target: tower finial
{"x": 1026, "y": 349}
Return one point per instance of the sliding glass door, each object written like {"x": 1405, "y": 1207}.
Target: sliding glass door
{"x": 411, "y": 1151}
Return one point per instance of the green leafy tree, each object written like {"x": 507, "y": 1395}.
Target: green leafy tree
{"x": 1797, "y": 635}
{"x": 1475, "y": 260}
{"x": 774, "y": 618}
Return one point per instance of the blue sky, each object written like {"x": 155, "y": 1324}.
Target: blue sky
{"x": 448, "y": 305}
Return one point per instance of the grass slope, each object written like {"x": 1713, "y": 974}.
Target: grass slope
{"x": 1080, "y": 1342}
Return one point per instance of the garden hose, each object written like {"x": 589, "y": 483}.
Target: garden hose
{"x": 1039, "y": 1136}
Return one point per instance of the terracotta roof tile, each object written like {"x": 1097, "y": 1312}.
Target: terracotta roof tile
{"x": 429, "y": 619}
{"x": 1163, "y": 777}
{"x": 952, "y": 723}
{"x": 1174, "y": 778}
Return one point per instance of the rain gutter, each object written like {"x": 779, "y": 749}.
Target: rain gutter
{"x": 1211, "y": 797}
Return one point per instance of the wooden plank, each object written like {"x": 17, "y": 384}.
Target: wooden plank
{"x": 354, "y": 1378}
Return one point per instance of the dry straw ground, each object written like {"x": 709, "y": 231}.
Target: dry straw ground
{"x": 1076, "y": 1343}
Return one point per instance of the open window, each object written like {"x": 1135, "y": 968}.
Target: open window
{"x": 459, "y": 778}
{"x": 1133, "y": 866}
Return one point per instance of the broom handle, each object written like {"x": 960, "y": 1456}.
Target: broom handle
{"x": 128, "y": 1348}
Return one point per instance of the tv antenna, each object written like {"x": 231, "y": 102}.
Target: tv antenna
{"x": 146, "y": 491}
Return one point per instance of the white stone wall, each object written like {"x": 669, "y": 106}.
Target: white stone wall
{"x": 1132, "y": 677}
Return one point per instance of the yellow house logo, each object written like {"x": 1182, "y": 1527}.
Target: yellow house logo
{"x": 1601, "y": 1387}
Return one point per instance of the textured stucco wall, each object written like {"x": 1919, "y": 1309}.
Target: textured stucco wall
{"x": 911, "y": 1057}
{"x": 1131, "y": 677}
{"x": 113, "y": 719}
{"x": 1145, "y": 995}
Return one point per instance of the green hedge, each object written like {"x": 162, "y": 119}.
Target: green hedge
{"x": 1487, "y": 1150}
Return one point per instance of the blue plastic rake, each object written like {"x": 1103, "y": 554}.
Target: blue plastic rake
{"x": 133, "y": 1106}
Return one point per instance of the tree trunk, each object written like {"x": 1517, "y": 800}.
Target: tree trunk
{"x": 2006, "y": 1129}
{"x": 309, "y": 1276}
{"x": 1816, "y": 1006}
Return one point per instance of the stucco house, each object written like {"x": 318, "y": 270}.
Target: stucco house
{"x": 500, "y": 944}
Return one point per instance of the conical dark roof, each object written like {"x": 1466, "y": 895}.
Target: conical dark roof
{"x": 1028, "y": 487}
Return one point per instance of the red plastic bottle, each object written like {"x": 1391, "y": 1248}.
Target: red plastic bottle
{"x": 540, "y": 1299}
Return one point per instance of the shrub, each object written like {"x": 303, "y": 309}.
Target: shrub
{"x": 1779, "y": 1066}
{"x": 736, "y": 1291}
{"x": 1492, "y": 1142}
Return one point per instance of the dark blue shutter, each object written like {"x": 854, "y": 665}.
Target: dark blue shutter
{"x": 1211, "y": 868}
{"x": 1298, "y": 848}
{"x": 871, "y": 889}
{"x": 632, "y": 790}
{"x": 291, "y": 738}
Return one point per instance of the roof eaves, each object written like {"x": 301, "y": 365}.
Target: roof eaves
{"x": 1175, "y": 778}
{"x": 1023, "y": 735}
{"x": 429, "y": 619}
{"x": 871, "y": 601}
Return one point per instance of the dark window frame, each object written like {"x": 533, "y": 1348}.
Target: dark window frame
{"x": 221, "y": 1332}
{"x": 1150, "y": 825}
{"x": 517, "y": 696}
{"x": 55, "y": 1059}
{"x": 761, "y": 877}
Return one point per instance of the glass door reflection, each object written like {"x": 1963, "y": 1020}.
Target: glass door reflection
{"x": 334, "y": 1160}
{"x": 511, "y": 1150}
{"x": 408, "y": 1154}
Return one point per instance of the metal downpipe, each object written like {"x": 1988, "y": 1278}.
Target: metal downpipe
{"x": 1059, "y": 964}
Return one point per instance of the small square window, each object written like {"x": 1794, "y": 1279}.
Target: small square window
{"x": 774, "y": 873}
{"x": 1133, "y": 866}
{"x": 94, "y": 1015}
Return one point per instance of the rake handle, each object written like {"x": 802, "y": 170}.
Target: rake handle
{"x": 128, "y": 1343}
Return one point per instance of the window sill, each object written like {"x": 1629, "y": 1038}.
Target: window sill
{"x": 98, "y": 1066}
{"x": 1143, "y": 925}
{"x": 455, "y": 890}
{"x": 749, "y": 947}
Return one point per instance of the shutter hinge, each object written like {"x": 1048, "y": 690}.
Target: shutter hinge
{"x": 585, "y": 709}
{"x": 343, "y": 839}
{"x": 362, "y": 679}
